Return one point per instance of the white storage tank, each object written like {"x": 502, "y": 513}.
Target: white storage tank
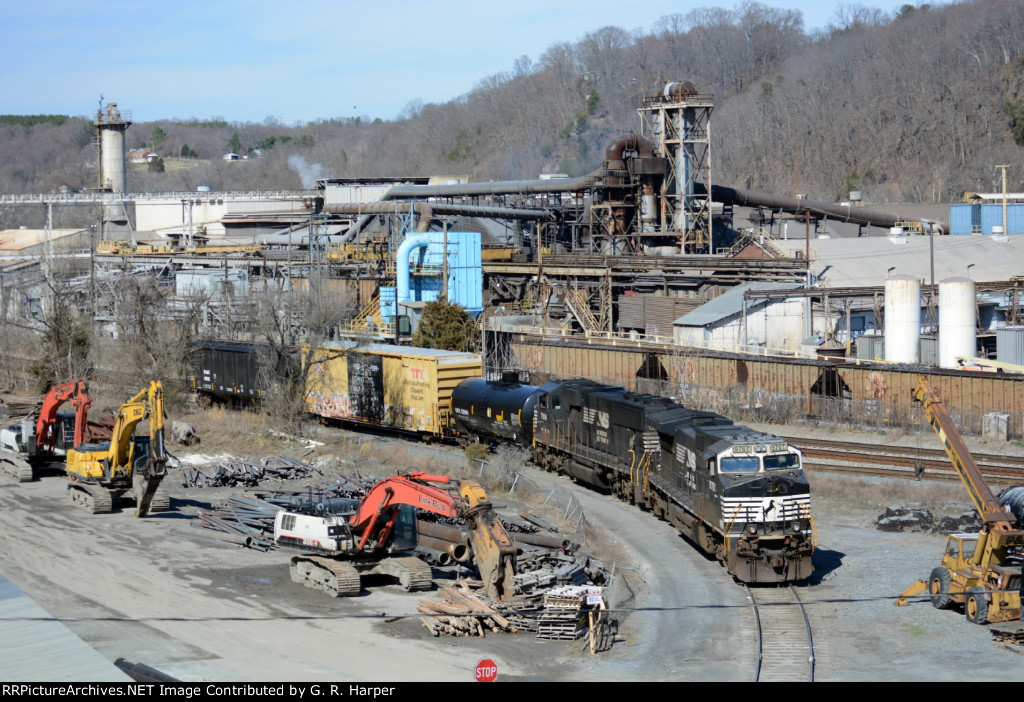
{"x": 902, "y": 319}
{"x": 958, "y": 326}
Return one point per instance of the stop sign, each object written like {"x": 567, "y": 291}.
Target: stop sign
{"x": 486, "y": 670}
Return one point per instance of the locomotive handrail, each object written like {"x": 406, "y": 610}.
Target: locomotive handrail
{"x": 812, "y": 524}
{"x": 728, "y": 528}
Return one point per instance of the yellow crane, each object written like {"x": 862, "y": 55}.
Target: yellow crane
{"x": 977, "y": 570}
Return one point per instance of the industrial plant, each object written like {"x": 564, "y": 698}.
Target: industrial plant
{"x": 645, "y": 274}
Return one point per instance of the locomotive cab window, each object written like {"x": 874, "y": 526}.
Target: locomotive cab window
{"x": 734, "y": 464}
{"x": 788, "y": 460}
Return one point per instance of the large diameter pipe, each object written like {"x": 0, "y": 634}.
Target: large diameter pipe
{"x": 413, "y": 241}
{"x": 507, "y": 187}
{"x": 500, "y": 187}
{"x": 441, "y": 558}
{"x": 542, "y": 540}
{"x": 854, "y": 215}
{"x": 452, "y": 534}
{"x": 460, "y": 552}
{"x": 439, "y": 208}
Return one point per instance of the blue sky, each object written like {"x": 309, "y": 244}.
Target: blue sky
{"x": 296, "y": 62}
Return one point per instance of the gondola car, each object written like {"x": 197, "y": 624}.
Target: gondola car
{"x": 738, "y": 494}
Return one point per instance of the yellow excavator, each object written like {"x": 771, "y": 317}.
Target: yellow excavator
{"x": 980, "y": 571}
{"x": 129, "y": 465}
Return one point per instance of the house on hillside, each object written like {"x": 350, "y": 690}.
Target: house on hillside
{"x": 142, "y": 156}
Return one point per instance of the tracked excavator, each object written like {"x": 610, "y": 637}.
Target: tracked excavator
{"x": 377, "y": 535}
{"x": 980, "y": 571}
{"x": 29, "y": 444}
{"x": 129, "y": 465}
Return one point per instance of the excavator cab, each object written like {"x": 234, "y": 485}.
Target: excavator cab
{"x": 404, "y": 532}
{"x": 65, "y": 431}
{"x": 142, "y": 452}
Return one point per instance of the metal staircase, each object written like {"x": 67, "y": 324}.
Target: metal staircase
{"x": 576, "y": 301}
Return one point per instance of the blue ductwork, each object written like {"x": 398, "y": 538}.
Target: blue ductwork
{"x": 413, "y": 241}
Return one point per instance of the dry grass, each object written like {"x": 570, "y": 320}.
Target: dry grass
{"x": 240, "y": 433}
{"x": 866, "y": 493}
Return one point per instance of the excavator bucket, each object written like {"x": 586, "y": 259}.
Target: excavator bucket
{"x": 916, "y": 589}
{"x": 493, "y": 550}
{"x": 145, "y": 488}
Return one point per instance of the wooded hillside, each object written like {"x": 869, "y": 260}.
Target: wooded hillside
{"x": 919, "y": 106}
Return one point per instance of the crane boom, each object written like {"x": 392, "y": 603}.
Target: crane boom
{"x": 991, "y": 512}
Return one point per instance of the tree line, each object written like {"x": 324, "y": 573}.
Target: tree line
{"x": 916, "y": 105}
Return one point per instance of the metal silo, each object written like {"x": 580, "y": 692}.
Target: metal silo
{"x": 111, "y": 126}
{"x": 902, "y": 319}
{"x": 957, "y": 320}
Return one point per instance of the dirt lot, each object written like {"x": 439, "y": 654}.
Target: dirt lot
{"x": 202, "y": 612}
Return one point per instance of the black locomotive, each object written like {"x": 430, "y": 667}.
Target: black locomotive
{"x": 738, "y": 494}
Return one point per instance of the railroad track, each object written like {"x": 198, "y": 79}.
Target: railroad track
{"x": 785, "y": 646}
{"x": 900, "y": 461}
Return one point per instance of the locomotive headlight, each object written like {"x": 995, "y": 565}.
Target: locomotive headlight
{"x": 752, "y": 528}
{"x": 797, "y": 525}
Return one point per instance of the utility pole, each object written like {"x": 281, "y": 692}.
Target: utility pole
{"x": 1003, "y": 169}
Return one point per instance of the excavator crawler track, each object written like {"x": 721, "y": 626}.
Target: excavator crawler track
{"x": 91, "y": 498}
{"x": 336, "y": 578}
{"x": 17, "y": 468}
{"x": 413, "y": 574}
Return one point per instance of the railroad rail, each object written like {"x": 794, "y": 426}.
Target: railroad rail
{"x": 900, "y": 461}
{"x": 785, "y": 644}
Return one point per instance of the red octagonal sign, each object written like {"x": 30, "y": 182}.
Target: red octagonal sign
{"x": 486, "y": 670}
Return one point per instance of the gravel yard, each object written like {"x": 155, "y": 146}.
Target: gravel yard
{"x": 204, "y": 612}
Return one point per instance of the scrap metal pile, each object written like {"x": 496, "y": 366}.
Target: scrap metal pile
{"x": 546, "y": 562}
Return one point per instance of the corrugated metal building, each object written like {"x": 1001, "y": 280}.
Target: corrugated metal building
{"x": 980, "y": 218}
{"x": 730, "y": 322}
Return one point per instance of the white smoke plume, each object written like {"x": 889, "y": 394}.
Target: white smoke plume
{"x": 308, "y": 172}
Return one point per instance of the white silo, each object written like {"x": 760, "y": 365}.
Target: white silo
{"x": 958, "y": 327}
{"x": 111, "y": 126}
{"x": 902, "y": 319}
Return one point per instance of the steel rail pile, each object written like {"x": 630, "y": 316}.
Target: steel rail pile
{"x": 248, "y": 521}
{"x": 240, "y": 473}
{"x": 242, "y": 521}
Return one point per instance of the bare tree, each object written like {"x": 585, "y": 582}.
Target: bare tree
{"x": 290, "y": 329}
